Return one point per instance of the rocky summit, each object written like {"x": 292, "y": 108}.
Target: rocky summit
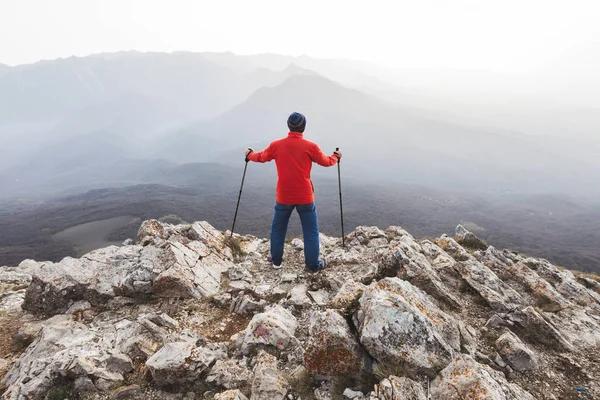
{"x": 184, "y": 312}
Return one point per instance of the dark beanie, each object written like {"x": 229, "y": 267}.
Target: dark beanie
{"x": 296, "y": 122}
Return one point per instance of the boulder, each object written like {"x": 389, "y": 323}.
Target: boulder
{"x": 500, "y": 296}
{"x": 465, "y": 378}
{"x": 150, "y": 228}
{"x": 403, "y": 330}
{"x": 346, "y": 299}
{"x": 332, "y": 348}
{"x": 516, "y": 353}
{"x": 533, "y": 327}
{"x": 230, "y": 374}
{"x": 405, "y": 259}
{"x": 275, "y": 328}
{"x": 65, "y": 349}
{"x": 397, "y": 388}
{"x": 468, "y": 239}
{"x": 179, "y": 363}
{"x": 268, "y": 383}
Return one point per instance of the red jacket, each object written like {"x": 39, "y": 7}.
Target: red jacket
{"x": 294, "y": 156}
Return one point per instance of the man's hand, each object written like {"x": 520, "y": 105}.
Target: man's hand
{"x": 247, "y": 152}
{"x": 338, "y": 153}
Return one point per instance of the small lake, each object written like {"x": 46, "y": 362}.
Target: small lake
{"x": 92, "y": 235}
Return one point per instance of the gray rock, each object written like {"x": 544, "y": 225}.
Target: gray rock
{"x": 244, "y": 304}
{"x": 352, "y": 394}
{"x": 393, "y": 387}
{"x": 332, "y": 348}
{"x": 268, "y": 383}
{"x": 347, "y": 297}
{"x": 230, "y": 395}
{"x": 275, "y": 327}
{"x": 150, "y": 228}
{"x": 179, "y": 363}
{"x": 465, "y": 377}
{"x": 536, "y": 329}
{"x": 516, "y": 353}
{"x": 297, "y": 244}
{"x": 565, "y": 283}
{"x": 298, "y": 296}
{"x": 498, "y": 294}
{"x": 403, "y": 330}
{"x": 66, "y": 349}
{"x": 468, "y": 239}
{"x": 230, "y": 374}
{"x": 405, "y": 258}
{"x": 238, "y": 272}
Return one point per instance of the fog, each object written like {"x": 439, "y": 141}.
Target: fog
{"x": 66, "y": 123}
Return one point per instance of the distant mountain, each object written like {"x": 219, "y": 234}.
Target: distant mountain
{"x": 382, "y": 140}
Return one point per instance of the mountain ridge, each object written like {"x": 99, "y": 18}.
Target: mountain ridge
{"x": 182, "y": 309}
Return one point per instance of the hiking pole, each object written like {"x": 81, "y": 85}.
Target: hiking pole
{"x": 341, "y": 208}
{"x": 239, "y": 197}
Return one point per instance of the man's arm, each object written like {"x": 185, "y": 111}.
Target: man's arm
{"x": 320, "y": 158}
{"x": 262, "y": 156}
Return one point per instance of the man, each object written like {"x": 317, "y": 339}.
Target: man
{"x": 294, "y": 156}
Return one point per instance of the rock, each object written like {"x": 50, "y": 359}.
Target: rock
{"x": 163, "y": 320}
{"x": 347, "y": 297}
{"x": 244, "y": 304}
{"x": 468, "y": 239}
{"x": 150, "y": 228}
{"x": 323, "y": 392}
{"x": 179, "y": 363}
{"x": 332, "y": 348}
{"x": 353, "y": 394}
{"x": 319, "y": 297}
{"x": 362, "y": 235}
{"x": 230, "y": 395}
{"x": 268, "y": 383}
{"x": 403, "y": 330}
{"x": 466, "y": 378}
{"x": 275, "y": 327}
{"x": 544, "y": 295}
{"x": 67, "y": 349}
{"x": 125, "y": 392}
{"x": 516, "y": 353}
{"x": 404, "y": 258}
{"x": 230, "y": 374}
{"x": 498, "y": 294}
{"x": 287, "y": 277}
{"x": 238, "y": 272}
{"x": 298, "y": 296}
{"x": 532, "y": 326}
{"x": 392, "y": 387}
{"x": 297, "y": 244}
{"x": 83, "y": 384}
{"x": 565, "y": 283}
{"x": 239, "y": 286}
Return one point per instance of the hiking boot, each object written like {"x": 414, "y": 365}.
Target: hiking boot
{"x": 275, "y": 266}
{"x": 320, "y": 266}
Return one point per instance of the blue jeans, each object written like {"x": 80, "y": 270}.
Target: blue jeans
{"x": 310, "y": 231}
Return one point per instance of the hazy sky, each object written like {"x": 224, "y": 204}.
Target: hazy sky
{"x": 498, "y": 35}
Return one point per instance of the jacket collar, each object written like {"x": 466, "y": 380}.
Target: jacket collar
{"x": 296, "y": 135}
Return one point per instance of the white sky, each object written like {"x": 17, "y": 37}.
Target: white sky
{"x": 496, "y": 35}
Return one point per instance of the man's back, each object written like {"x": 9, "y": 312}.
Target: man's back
{"x": 294, "y": 156}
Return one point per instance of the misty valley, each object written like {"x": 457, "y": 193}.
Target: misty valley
{"x": 92, "y": 146}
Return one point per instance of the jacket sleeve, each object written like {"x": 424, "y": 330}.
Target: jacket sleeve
{"x": 320, "y": 158}
{"x": 263, "y": 156}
